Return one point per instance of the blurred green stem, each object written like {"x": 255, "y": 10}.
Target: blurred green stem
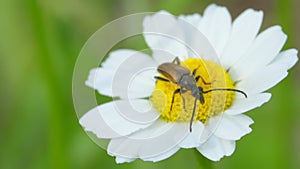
{"x": 58, "y": 157}
{"x": 203, "y": 162}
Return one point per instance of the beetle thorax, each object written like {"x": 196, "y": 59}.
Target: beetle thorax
{"x": 188, "y": 82}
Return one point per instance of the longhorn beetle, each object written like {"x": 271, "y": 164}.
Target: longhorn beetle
{"x": 186, "y": 81}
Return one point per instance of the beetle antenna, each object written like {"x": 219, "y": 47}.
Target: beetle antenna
{"x": 226, "y": 89}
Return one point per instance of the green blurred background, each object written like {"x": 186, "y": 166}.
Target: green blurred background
{"x": 39, "y": 43}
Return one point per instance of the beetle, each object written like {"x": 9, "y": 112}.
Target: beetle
{"x": 186, "y": 81}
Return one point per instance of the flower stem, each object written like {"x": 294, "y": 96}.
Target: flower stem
{"x": 203, "y": 162}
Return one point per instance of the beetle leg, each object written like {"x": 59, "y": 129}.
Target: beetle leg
{"x": 193, "y": 114}
{"x": 199, "y": 77}
{"x": 161, "y": 78}
{"x": 175, "y": 92}
{"x": 183, "y": 100}
{"x": 195, "y": 71}
{"x": 176, "y": 61}
{"x": 200, "y": 97}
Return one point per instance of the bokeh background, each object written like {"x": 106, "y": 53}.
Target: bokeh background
{"x": 39, "y": 43}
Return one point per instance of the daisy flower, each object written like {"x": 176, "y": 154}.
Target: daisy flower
{"x": 149, "y": 118}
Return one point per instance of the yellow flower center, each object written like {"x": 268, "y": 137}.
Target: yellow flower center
{"x": 215, "y": 102}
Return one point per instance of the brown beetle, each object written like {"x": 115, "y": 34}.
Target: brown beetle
{"x": 186, "y": 81}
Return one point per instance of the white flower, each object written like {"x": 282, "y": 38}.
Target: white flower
{"x": 144, "y": 128}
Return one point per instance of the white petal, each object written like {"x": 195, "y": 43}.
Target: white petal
{"x": 189, "y": 24}
{"x": 93, "y": 122}
{"x": 101, "y": 79}
{"x": 164, "y": 36}
{"x": 197, "y": 44}
{"x": 263, "y": 79}
{"x": 287, "y": 58}
{"x": 118, "y": 118}
{"x": 215, "y": 148}
{"x": 230, "y": 127}
{"x": 241, "y": 105}
{"x": 169, "y": 37}
{"x": 244, "y": 30}
{"x": 216, "y": 26}
{"x": 206, "y": 134}
{"x": 103, "y": 84}
{"x": 142, "y": 84}
{"x": 163, "y": 156}
{"x": 130, "y": 67}
{"x": 116, "y": 58}
{"x": 155, "y": 141}
{"x": 193, "y": 139}
{"x": 152, "y": 159}
{"x": 264, "y": 49}
{"x": 136, "y": 110}
{"x": 193, "y": 19}
{"x": 120, "y": 160}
